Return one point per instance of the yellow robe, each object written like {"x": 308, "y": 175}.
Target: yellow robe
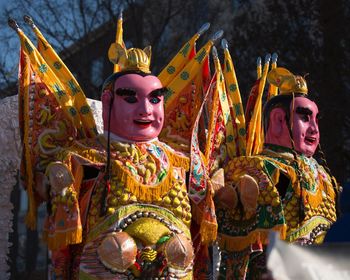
{"x": 143, "y": 176}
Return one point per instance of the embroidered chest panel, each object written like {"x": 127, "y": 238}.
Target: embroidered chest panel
{"x": 314, "y": 201}
{"x": 141, "y": 173}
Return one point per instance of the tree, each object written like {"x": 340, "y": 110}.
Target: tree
{"x": 72, "y": 25}
{"x": 309, "y": 36}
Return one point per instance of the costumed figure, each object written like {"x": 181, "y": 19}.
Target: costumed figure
{"x": 118, "y": 204}
{"x": 281, "y": 187}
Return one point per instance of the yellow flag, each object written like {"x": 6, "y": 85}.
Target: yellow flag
{"x": 221, "y": 135}
{"x": 224, "y": 103}
{"x": 170, "y": 71}
{"x": 48, "y": 77}
{"x": 234, "y": 97}
{"x": 259, "y": 134}
{"x": 186, "y": 75}
{"x": 183, "y": 100}
{"x": 179, "y": 61}
{"x": 258, "y": 68}
{"x": 119, "y": 38}
{"x": 273, "y": 90}
{"x": 26, "y": 164}
{"x": 60, "y": 75}
{"x": 254, "y": 143}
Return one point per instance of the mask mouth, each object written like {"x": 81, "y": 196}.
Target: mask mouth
{"x": 309, "y": 140}
{"x": 143, "y": 123}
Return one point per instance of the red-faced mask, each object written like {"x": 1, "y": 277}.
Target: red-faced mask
{"x": 137, "y": 109}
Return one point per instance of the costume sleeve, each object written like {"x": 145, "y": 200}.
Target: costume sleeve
{"x": 63, "y": 226}
{"x": 238, "y": 230}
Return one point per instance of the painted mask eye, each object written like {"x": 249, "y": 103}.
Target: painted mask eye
{"x": 128, "y": 95}
{"x": 130, "y": 99}
{"x": 305, "y": 118}
{"x": 154, "y": 100}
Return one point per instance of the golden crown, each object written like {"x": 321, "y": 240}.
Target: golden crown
{"x": 286, "y": 81}
{"x": 130, "y": 59}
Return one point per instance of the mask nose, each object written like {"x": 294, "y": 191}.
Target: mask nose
{"x": 145, "y": 109}
{"x": 314, "y": 127}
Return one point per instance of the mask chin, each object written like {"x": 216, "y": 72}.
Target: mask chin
{"x": 307, "y": 151}
{"x": 141, "y": 138}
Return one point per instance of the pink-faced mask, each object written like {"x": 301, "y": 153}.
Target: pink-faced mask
{"x": 137, "y": 110}
{"x": 304, "y": 126}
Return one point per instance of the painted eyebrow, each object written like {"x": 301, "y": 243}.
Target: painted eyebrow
{"x": 125, "y": 92}
{"x": 159, "y": 92}
{"x": 303, "y": 111}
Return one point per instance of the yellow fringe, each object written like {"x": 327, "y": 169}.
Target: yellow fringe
{"x": 208, "y": 227}
{"x": 313, "y": 199}
{"x": 31, "y": 217}
{"x": 178, "y": 160}
{"x": 78, "y": 177}
{"x": 60, "y": 240}
{"x": 208, "y": 231}
{"x": 143, "y": 192}
{"x": 239, "y": 243}
{"x": 180, "y": 146}
{"x": 230, "y": 243}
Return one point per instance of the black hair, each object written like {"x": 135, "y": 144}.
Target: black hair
{"x": 321, "y": 159}
{"x": 109, "y": 82}
{"x": 282, "y": 101}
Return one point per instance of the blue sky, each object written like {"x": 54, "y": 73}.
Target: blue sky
{"x": 10, "y": 58}
{"x": 2, "y": 3}
{"x": 9, "y": 48}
